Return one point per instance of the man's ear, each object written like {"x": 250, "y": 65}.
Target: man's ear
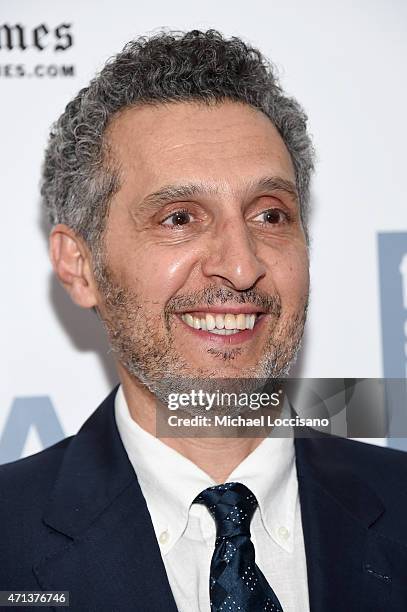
{"x": 71, "y": 261}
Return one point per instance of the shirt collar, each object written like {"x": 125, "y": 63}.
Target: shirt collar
{"x": 168, "y": 480}
{"x": 269, "y": 471}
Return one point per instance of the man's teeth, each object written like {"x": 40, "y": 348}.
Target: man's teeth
{"x": 223, "y": 324}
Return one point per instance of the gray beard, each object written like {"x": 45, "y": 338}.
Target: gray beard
{"x": 152, "y": 359}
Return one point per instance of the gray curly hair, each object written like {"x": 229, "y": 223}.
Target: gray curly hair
{"x": 79, "y": 175}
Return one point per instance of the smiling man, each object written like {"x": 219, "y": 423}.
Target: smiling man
{"x": 177, "y": 185}
{"x": 207, "y": 241}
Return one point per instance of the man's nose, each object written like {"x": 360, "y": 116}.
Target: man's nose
{"x": 232, "y": 256}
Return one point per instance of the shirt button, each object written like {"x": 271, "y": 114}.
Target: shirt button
{"x": 283, "y": 532}
{"x": 164, "y": 537}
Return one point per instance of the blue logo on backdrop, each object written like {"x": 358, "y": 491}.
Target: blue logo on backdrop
{"x": 393, "y": 299}
{"x": 27, "y": 412}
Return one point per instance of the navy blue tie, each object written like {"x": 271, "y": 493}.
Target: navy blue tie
{"x": 236, "y": 584}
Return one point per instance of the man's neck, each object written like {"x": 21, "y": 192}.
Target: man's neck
{"x": 216, "y": 456}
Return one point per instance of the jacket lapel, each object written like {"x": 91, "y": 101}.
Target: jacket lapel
{"x": 102, "y": 546}
{"x": 351, "y": 565}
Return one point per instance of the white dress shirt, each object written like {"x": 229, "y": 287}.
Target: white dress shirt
{"x": 186, "y": 532}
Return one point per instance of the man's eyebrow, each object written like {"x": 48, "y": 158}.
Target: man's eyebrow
{"x": 277, "y": 183}
{"x": 172, "y": 193}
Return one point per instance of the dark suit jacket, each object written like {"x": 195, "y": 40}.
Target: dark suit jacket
{"x": 73, "y": 518}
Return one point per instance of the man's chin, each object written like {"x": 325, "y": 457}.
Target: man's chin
{"x": 211, "y": 375}
{"x": 223, "y": 366}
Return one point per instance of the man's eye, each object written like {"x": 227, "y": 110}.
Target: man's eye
{"x": 273, "y": 216}
{"x": 177, "y": 218}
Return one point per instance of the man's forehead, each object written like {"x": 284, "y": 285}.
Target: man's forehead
{"x": 200, "y": 148}
{"x": 196, "y": 123}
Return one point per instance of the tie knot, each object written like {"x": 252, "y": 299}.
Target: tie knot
{"x": 232, "y": 505}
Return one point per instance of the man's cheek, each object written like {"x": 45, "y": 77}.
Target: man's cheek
{"x": 168, "y": 269}
{"x": 291, "y": 272}
{"x": 298, "y": 272}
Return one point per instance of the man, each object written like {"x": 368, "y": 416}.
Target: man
{"x": 177, "y": 185}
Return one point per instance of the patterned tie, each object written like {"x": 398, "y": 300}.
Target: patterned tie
{"x": 236, "y": 584}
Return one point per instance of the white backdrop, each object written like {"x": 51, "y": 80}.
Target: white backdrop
{"x": 345, "y": 62}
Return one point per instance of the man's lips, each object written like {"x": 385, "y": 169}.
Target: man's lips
{"x": 224, "y": 327}
{"x": 224, "y": 308}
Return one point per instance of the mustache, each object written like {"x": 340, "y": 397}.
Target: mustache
{"x": 212, "y": 295}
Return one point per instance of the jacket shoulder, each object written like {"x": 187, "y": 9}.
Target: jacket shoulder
{"x": 31, "y": 478}
{"x": 25, "y": 488}
{"x": 339, "y": 463}
{"x": 383, "y": 467}
{"x": 359, "y": 455}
